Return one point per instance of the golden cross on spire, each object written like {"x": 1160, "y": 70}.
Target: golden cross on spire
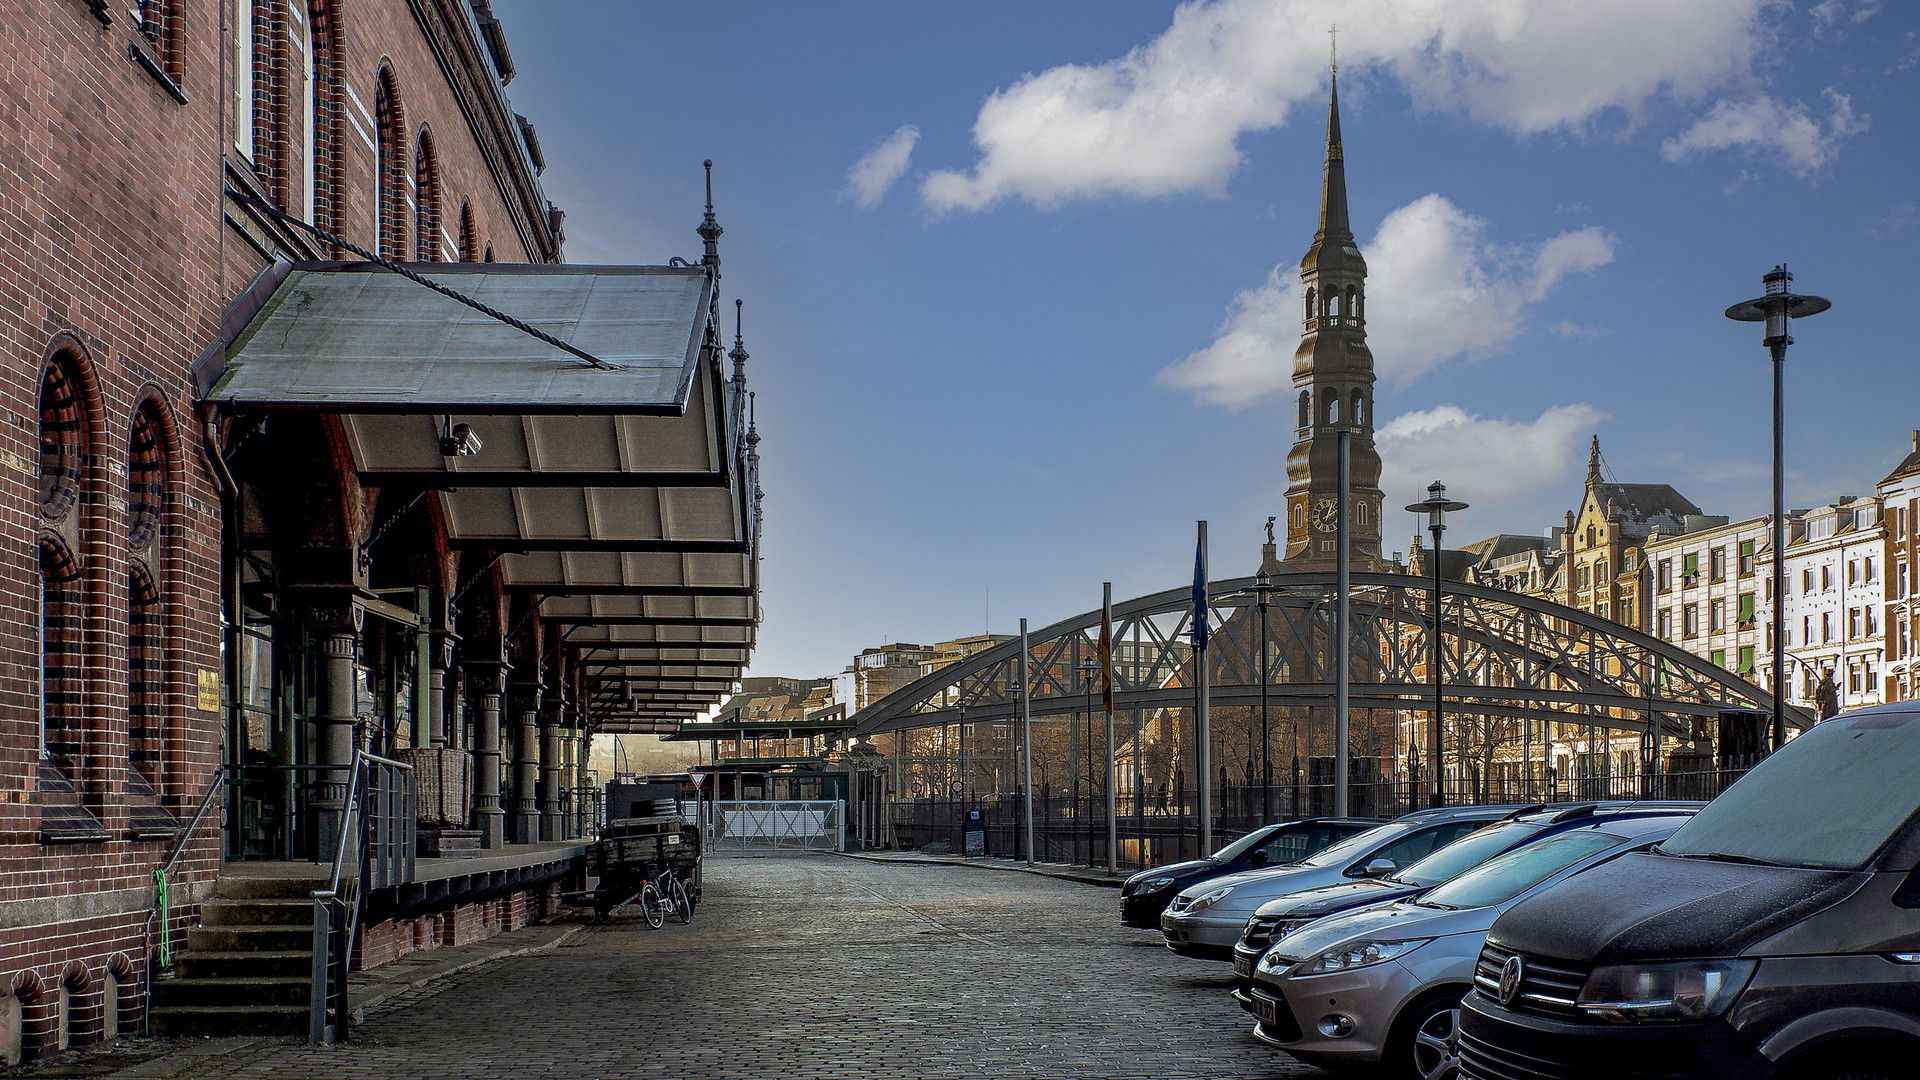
{"x": 1333, "y": 47}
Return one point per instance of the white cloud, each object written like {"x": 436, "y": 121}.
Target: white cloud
{"x": 1436, "y": 289}
{"x": 1569, "y": 329}
{"x": 1166, "y": 117}
{"x": 1792, "y": 133}
{"x": 1483, "y": 461}
{"x": 878, "y": 168}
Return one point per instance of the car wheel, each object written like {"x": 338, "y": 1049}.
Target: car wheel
{"x": 1425, "y": 1043}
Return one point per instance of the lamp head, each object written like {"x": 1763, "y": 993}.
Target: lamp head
{"x": 459, "y": 441}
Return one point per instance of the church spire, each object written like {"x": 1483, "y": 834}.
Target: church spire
{"x": 1333, "y": 189}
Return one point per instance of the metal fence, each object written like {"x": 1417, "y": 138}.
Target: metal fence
{"x": 795, "y": 825}
{"x": 1164, "y": 827}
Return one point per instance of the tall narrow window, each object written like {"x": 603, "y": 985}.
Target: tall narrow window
{"x": 426, "y": 194}
{"x": 158, "y": 22}
{"x": 393, "y": 180}
{"x": 60, "y": 728}
{"x": 262, "y": 34}
{"x": 469, "y": 239}
{"x": 329, "y": 121}
{"x": 144, "y": 671}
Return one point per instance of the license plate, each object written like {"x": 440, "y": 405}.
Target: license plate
{"x": 1243, "y": 967}
{"x": 1265, "y": 1009}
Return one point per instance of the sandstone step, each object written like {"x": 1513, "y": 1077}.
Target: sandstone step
{"x": 258, "y": 912}
{"x": 189, "y": 992}
{"x": 223, "y": 963}
{"x": 239, "y": 885}
{"x": 230, "y": 1019}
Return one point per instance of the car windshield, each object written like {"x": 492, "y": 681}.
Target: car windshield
{"x": 1827, "y": 800}
{"x": 1239, "y": 847}
{"x": 1353, "y": 846}
{"x": 1465, "y": 854}
{"x": 1506, "y": 876}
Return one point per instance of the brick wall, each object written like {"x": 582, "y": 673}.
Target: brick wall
{"x": 122, "y": 251}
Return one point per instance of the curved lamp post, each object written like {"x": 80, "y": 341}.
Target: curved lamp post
{"x": 1777, "y": 308}
{"x": 1436, "y": 508}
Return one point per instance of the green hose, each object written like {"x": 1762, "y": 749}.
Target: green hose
{"x": 166, "y": 936}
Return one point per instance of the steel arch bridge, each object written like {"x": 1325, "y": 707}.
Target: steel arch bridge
{"x": 1503, "y": 656}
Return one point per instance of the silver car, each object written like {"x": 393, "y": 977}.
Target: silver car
{"x": 1382, "y": 985}
{"x": 1205, "y": 920}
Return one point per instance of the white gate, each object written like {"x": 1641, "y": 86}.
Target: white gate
{"x": 793, "y": 825}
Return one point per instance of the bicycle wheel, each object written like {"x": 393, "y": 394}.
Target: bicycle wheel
{"x": 682, "y": 907}
{"x": 651, "y": 906}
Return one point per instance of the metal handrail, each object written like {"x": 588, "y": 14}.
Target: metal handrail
{"x": 330, "y": 945}
{"x": 161, "y": 899}
{"x": 206, "y": 802}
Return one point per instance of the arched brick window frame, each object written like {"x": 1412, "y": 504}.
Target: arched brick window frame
{"x": 426, "y": 194}
{"x": 63, "y": 424}
{"x": 159, "y": 28}
{"x": 71, "y": 555}
{"x": 469, "y": 237}
{"x": 329, "y": 117}
{"x": 146, "y": 669}
{"x": 152, "y": 460}
{"x": 390, "y": 119}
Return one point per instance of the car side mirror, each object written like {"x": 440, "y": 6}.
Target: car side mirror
{"x": 1379, "y": 868}
{"x": 1257, "y": 858}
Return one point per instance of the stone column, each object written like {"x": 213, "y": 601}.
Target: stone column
{"x": 552, "y": 773}
{"x": 440, "y": 659}
{"x": 488, "y": 683}
{"x": 524, "y": 825}
{"x": 336, "y": 627}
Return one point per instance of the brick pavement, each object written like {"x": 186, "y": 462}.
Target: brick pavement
{"x": 810, "y": 967}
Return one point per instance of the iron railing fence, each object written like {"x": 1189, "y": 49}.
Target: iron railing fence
{"x": 1165, "y": 827}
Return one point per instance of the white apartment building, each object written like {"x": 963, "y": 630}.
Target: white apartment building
{"x": 1708, "y": 591}
{"x": 1835, "y": 603}
{"x": 1899, "y": 496}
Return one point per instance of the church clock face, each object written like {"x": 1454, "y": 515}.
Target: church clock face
{"x": 1326, "y": 515}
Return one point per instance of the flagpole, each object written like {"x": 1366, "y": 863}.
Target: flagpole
{"x": 1026, "y": 741}
{"x": 1106, "y": 694}
{"x": 1203, "y": 751}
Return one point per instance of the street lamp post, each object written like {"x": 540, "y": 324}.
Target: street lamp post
{"x": 1436, "y": 507}
{"x": 1020, "y": 698}
{"x": 1088, "y": 669}
{"x": 1263, "y": 588}
{"x": 1777, "y": 308}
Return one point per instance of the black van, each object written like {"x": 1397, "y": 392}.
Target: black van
{"x": 1775, "y": 934}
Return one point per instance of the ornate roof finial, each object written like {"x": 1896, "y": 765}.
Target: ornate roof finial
{"x": 710, "y": 229}
{"x": 753, "y": 433}
{"x": 1333, "y": 48}
{"x": 1593, "y": 465}
{"x": 739, "y": 353}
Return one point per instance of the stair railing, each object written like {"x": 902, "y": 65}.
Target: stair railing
{"x": 382, "y": 843}
{"x": 162, "y": 904}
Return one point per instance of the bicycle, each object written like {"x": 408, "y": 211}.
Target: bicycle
{"x": 664, "y": 897}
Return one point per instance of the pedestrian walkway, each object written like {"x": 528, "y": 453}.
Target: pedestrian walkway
{"x": 803, "y": 967}
{"x": 1085, "y": 875}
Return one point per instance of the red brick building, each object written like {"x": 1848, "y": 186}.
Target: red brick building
{"x": 216, "y": 588}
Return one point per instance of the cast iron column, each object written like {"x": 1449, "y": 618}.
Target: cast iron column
{"x": 488, "y": 684}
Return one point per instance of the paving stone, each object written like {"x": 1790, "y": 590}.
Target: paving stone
{"x": 810, "y": 967}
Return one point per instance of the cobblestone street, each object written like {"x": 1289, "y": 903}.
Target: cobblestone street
{"x": 814, "y": 966}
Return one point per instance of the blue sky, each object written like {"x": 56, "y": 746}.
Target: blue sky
{"x": 1017, "y": 275}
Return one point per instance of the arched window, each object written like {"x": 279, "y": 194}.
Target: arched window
{"x": 1299, "y": 515}
{"x": 1360, "y": 512}
{"x": 62, "y": 424}
{"x": 469, "y": 241}
{"x": 1333, "y": 407}
{"x": 329, "y": 117}
{"x": 489, "y": 255}
{"x": 146, "y": 476}
{"x": 1359, "y": 408}
{"x": 262, "y": 81}
{"x": 1312, "y": 293}
{"x": 1353, "y": 298}
{"x": 145, "y": 671}
{"x": 390, "y": 119}
{"x": 1306, "y": 410}
{"x": 426, "y": 194}
{"x": 60, "y": 645}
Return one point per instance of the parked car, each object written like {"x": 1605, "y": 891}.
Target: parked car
{"x": 1205, "y": 920}
{"x": 1144, "y": 895}
{"x": 1277, "y": 918}
{"x": 1775, "y": 934}
{"x": 1382, "y": 985}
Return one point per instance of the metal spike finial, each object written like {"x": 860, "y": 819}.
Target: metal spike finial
{"x": 753, "y": 430}
{"x": 739, "y": 353}
{"x": 1333, "y": 48}
{"x": 710, "y": 229}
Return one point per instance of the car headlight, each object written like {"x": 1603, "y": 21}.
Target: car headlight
{"x": 1287, "y": 926}
{"x": 1154, "y": 885}
{"x": 1358, "y": 955}
{"x": 1692, "y": 990}
{"x": 1209, "y": 898}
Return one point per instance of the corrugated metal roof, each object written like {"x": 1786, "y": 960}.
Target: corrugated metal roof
{"x": 348, "y": 337}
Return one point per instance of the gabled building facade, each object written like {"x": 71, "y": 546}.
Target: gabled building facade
{"x": 1899, "y": 494}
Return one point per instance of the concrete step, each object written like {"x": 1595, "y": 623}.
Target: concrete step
{"x": 239, "y": 885}
{"x": 228, "y": 963}
{"x": 251, "y": 938}
{"x": 188, "y": 992}
{"x": 230, "y": 1019}
{"x": 257, "y": 912}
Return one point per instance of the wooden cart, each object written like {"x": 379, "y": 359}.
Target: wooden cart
{"x": 634, "y": 851}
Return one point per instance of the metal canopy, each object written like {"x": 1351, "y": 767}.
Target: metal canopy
{"x": 622, "y": 500}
